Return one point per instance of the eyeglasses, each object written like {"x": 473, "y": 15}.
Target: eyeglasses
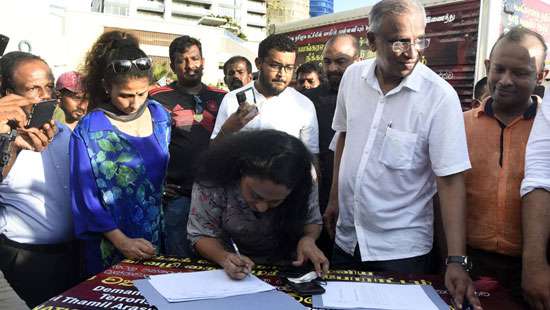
{"x": 125, "y": 65}
{"x": 277, "y": 67}
{"x": 402, "y": 46}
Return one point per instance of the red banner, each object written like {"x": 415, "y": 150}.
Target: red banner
{"x": 452, "y": 29}
{"x": 311, "y": 41}
{"x": 532, "y": 14}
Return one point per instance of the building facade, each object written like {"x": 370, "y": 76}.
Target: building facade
{"x": 246, "y": 18}
{"x": 285, "y": 11}
{"x": 321, "y": 7}
{"x": 62, "y": 32}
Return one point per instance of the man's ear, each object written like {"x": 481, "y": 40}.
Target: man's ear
{"x": 371, "y": 38}
{"x": 487, "y": 66}
{"x": 258, "y": 63}
{"x": 542, "y": 75}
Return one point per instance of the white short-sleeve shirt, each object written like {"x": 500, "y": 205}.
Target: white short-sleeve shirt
{"x": 395, "y": 146}
{"x": 537, "y": 155}
{"x": 290, "y": 111}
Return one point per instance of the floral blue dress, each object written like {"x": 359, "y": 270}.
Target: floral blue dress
{"x": 117, "y": 182}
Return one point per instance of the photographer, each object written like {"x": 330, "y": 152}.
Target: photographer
{"x": 10, "y": 110}
{"x": 37, "y": 254}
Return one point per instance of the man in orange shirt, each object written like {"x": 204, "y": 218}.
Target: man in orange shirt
{"x": 497, "y": 133}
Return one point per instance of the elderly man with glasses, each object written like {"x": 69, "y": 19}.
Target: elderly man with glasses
{"x": 402, "y": 139}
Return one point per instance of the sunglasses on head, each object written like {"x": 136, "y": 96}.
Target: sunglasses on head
{"x": 125, "y": 65}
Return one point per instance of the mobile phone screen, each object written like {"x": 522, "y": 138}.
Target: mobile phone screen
{"x": 3, "y": 43}
{"x": 41, "y": 113}
{"x": 307, "y": 288}
{"x": 249, "y": 95}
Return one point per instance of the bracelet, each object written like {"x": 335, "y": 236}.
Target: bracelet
{"x": 5, "y": 141}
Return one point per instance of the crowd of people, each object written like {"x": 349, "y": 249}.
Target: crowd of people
{"x": 347, "y": 169}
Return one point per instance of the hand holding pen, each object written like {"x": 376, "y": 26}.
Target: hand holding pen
{"x": 237, "y": 266}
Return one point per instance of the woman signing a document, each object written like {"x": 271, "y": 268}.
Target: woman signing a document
{"x": 254, "y": 201}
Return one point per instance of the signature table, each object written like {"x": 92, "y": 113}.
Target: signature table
{"x": 114, "y": 289}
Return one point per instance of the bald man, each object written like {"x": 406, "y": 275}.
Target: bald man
{"x": 340, "y": 51}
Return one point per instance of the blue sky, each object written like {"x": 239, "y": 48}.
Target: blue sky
{"x": 343, "y": 5}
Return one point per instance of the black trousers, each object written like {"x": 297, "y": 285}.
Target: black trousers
{"x": 417, "y": 265}
{"x": 39, "y": 272}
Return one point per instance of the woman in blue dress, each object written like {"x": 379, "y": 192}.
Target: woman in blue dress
{"x": 119, "y": 155}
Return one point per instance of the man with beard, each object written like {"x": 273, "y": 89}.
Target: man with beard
{"x": 401, "y": 134}
{"x": 339, "y": 53}
{"x": 271, "y": 103}
{"x": 237, "y": 72}
{"x": 193, "y": 106}
{"x": 73, "y": 101}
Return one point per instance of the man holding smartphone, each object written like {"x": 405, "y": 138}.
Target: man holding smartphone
{"x": 35, "y": 207}
{"x": 277, "y": 106}
{"x": 11, "y": 111}
{"x": 269, "y": 103}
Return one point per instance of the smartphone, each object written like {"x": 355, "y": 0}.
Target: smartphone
{"x": 41, "y": 113}
{"x": 306, "y": 288}
{"x": 3, "y": 43}
{"x": 246, "y": 95}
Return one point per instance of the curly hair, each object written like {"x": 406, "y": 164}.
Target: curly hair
{"x": 110, "y": 46}
{"x": 269, "y": 155}
{"x": 278, "y": 42}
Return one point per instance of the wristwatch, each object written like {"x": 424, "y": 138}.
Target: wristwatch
{"x": 463, "y": 261}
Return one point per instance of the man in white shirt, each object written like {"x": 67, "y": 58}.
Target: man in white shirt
{"x": 535, "y": 190}
{"x": 10, "y": 110}
{"x": 37, "y": 253}
{"x": 402, "y": 131}
{"x": 270, "y": 103}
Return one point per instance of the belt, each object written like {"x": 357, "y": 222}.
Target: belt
{"x": 43, "y": 248}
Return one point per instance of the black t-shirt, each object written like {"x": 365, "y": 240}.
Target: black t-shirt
{"x": 191, "y": 129}
{"x": 324, "y": 100}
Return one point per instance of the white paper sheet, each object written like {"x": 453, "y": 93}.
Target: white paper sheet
{"x": 212, "y": 284}
{"x": 350, "y": 295}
